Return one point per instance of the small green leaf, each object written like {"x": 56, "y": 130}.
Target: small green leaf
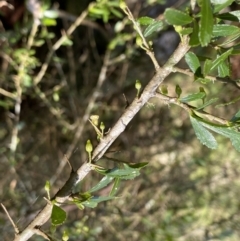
{"x": 207, "y": 67}
{"x": 223, "y": 30}
{"x": 145, "y": 20}
{"x": 176, "y": 17}
{"x": 207, "y": 103}
{"x": 231, "y": 16}
{"x": 103, "y": 183}
{"x": 223, "y": 69}
{"x": 220, "y": 5}
{"x": 115, "y": 187}
{"x": 236, "y": 117}
{"x": 163, "y": 89}
{"x": 194, "y": 39}
{"x": 204, "y": 136}
{"x": 192, "y": 61}
{"x": 94, "y": 201}
{"x": 153, "y": 27}
{"x": 206, "y": 23}
{"x": 220, "y": 59}
{"x": 178, "y": 91}
{"x": 192, "y": 97}
{"x": 49, "y": 22}
{"x": 186, "y": 31}
{"x": 58, "y": 216}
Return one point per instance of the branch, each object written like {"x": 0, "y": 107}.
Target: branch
{"x": 189, "y": 108}
{"x": 118, "y": 128}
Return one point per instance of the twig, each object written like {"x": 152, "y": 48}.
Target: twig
{"x": 9, "y": 217}
{"x": 8, "y": 94}
{"x": 58, "y": 44}
{"x": 189, "y": 108}
{"x": 145, "y": 44}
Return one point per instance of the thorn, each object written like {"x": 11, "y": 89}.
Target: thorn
{"x": 70, "y": 165}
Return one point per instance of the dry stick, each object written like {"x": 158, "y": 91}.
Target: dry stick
{"x": 99, "y": 151}
{"x": 13, "y": 224}
{"x": 58, "y": 44}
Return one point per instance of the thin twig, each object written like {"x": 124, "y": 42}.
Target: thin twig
{"x": 9, "y": 217}
{"x": 189, "y": 108}
{"x": 58, "y": 44}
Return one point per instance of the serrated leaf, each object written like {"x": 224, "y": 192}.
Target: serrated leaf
{"x": 207, "y": 103}
{"x": 146, "y": 20}
{"x": 231, "y": 16}
{"x": 228, "y": 132}
{"x": 220, "y": 59}
{"x": 153, "y": 27}
{"x": 103, "y": 183}
{"x": 192, "y": 61}
{"x": 206, "y": 23}
{"x": 176, "y": 17}
{"x": 58, "y": 216}
{"x": 178, "y": 91}
{"x": 192, "y": 97}
{"x": 203, "y": 135}
{"x": 223, "y": 30}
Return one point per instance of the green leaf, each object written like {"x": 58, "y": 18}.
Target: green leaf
{"x": 220, "y": 5}
{"x": 103, "y": 183}
{"x": 204, "y": 136}
{"x": 176, "y": 17}
{"x": 207, "y": 103}
{"x": 145, "y": 20}
{"x": 223, "y": 69}
{"x": 192, "y": 97}
{"x": 153, "y": 27}
{"x": 223, "y": 30}
{"x": 207, "y": 67}
{"x": 115, "y": 187}
{"x": 49, "y": 22}
{"x": 231, "y": 16}
{"x": 228, "y": 132}
{"x": 236, "y": 117}
{"x": 192, "y": 61}
{"x": 58, "y": 216}
{"x": 220, "y": 59}
{"x": 194, "y": 39}
{"x": 178, "y": 91}
{"x": 206, "y": 23}
{"x": 93, "y": 202}
{"x": 186, "y": 31}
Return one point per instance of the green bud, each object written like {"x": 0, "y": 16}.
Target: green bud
{"x": 89, "y": 147}
{"x": 138, "y": 85}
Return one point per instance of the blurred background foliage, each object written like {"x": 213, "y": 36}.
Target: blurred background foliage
{"x": 187, "y": 192}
